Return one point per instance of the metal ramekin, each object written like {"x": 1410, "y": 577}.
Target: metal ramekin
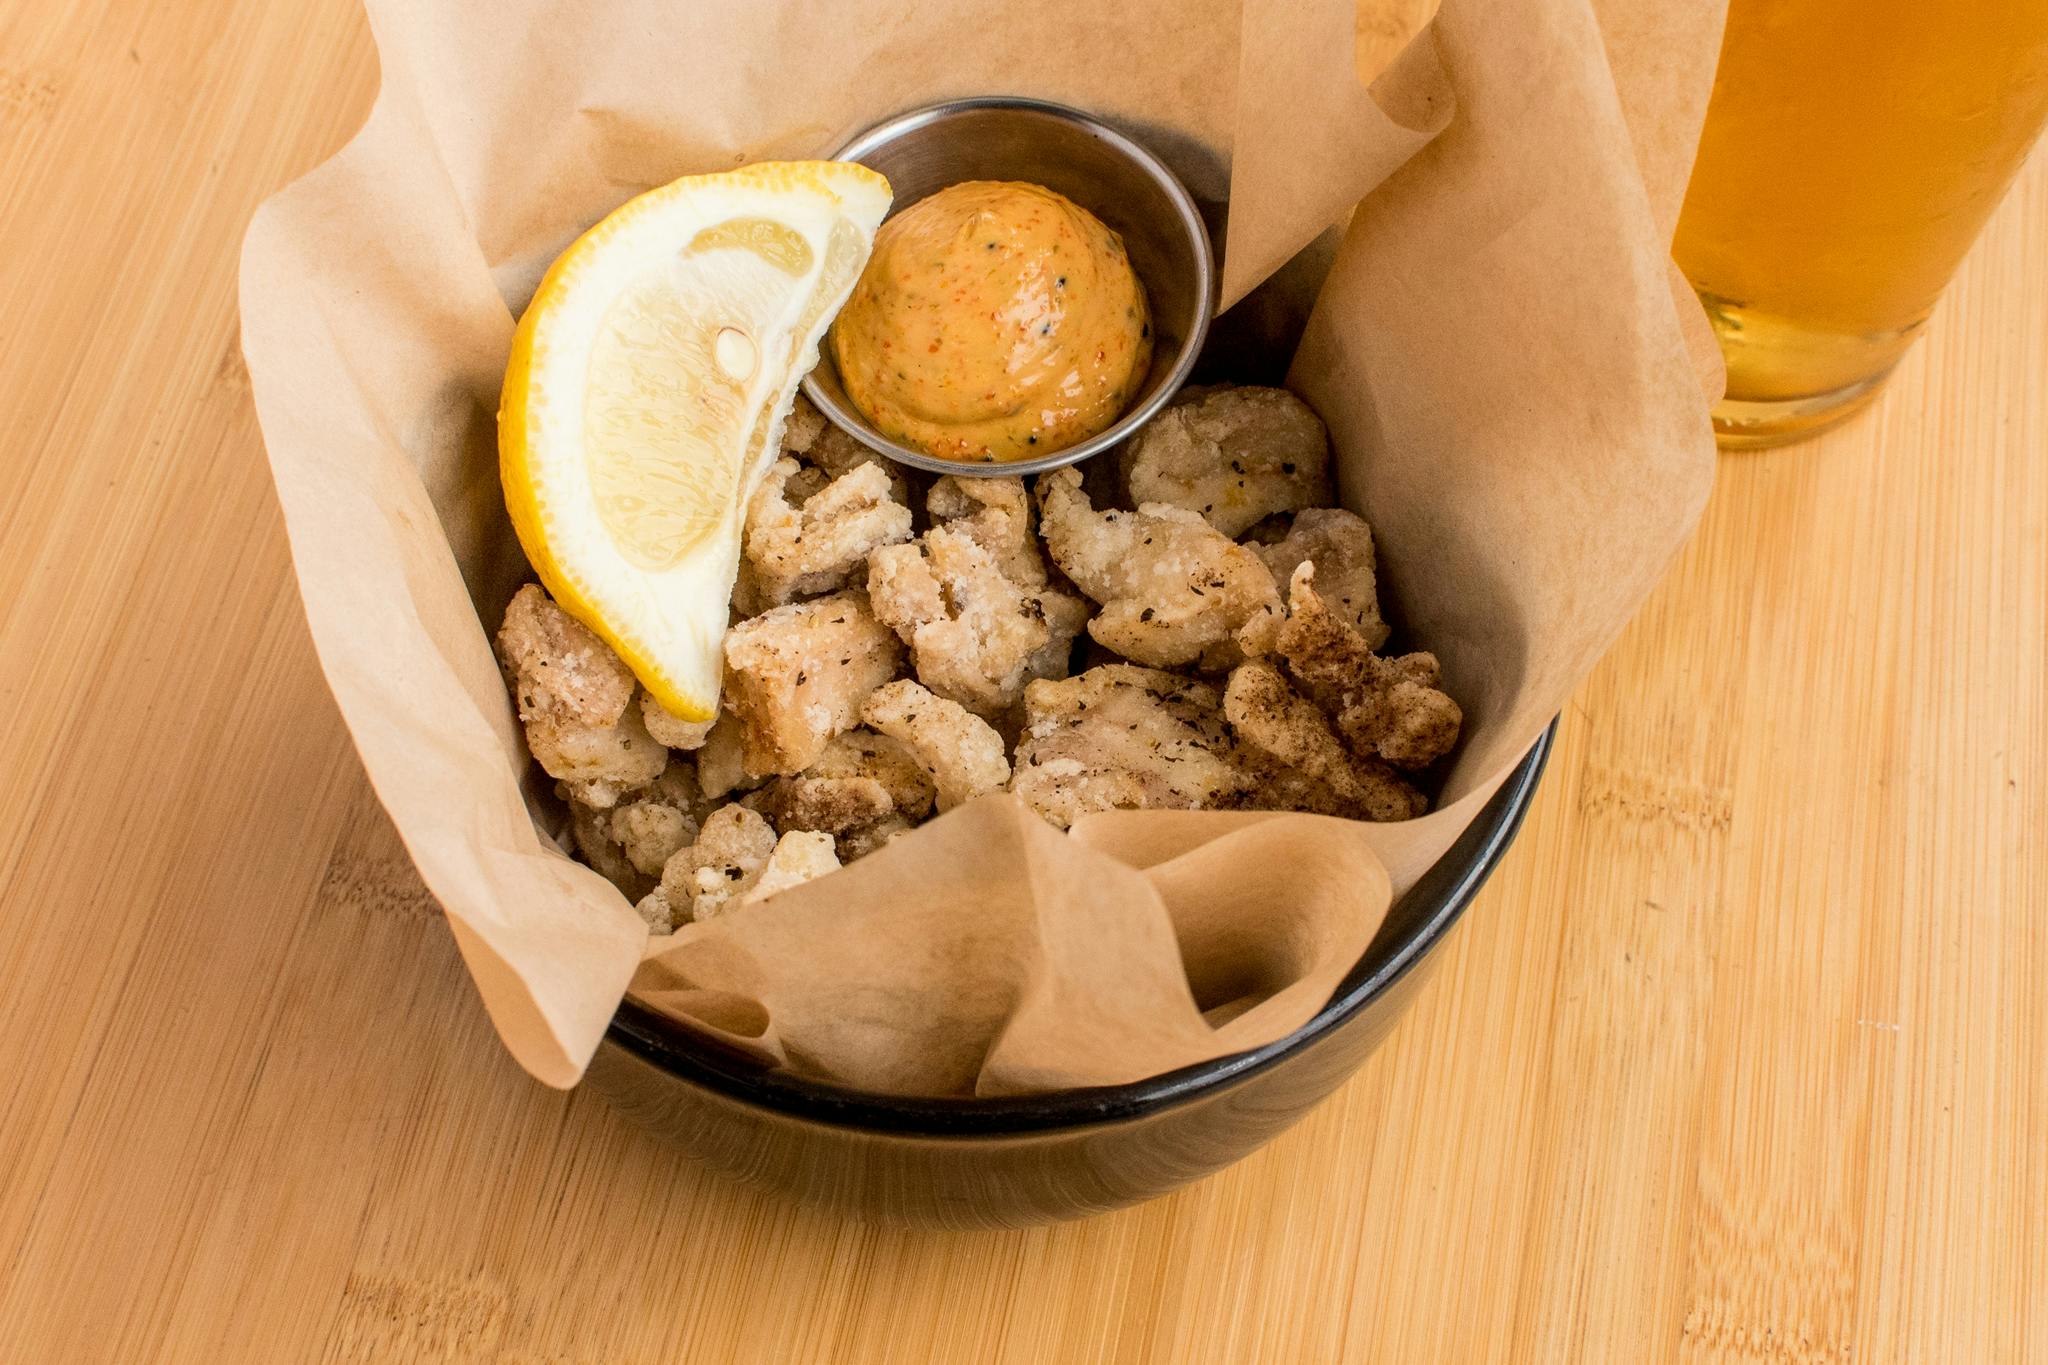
{"x": 1001, "y": 137}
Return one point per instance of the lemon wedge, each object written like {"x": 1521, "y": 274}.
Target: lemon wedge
{"x": 649, "y": 381}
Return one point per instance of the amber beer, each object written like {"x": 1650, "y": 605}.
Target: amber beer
{"x": 1853, "y": 148}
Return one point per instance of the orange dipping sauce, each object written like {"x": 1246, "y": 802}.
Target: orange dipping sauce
{"x": 996, "y": 320}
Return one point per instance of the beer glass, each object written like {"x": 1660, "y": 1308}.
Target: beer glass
{"x": 1852, "y": 150}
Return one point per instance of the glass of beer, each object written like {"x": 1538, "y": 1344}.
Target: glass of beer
{"x": 1852, "y": 150}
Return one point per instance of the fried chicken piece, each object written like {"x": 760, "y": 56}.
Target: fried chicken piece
{"x": 724, "y": 861}
{"x": 670, "y": 729}
{"x": 573, "y": 694}
{"x": 1170, "y": 584}
{"x": 997, "y": 514}
{"x": 1272, "y": 719}
{"x": 720, "y": 769}
{"x": 797, "y": 675}
{"x": 803, "y": 426}
{"x": 1391, "y": 708}
{"x": 659, "y": 819}
{"x": 862, "y": 753}
{"x": 864, "y": 787}
{"x": 1339, "y": 544}
{"x": 735, "y": 863}
{"x": 597, "y": 764}
{"x": 799, "y": 550}
{"x": 1124, "y": 738}
{"x": 591, "y": 831}
{"x": 957, "y": 749}
{"x": 1234, "y": 455}
{"x": 799, "y": 856}
{"x": 658, "y": 910}
{"x": 821, "y": 805}
{"x": 975, "y": 636}
{"x": 557, "y": 668}
{"x": 839, "y": 454}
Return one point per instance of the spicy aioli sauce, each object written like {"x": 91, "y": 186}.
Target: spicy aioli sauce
{"x": 996, "y": 320}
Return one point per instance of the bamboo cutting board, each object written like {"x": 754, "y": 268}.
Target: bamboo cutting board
{"x": 1743, "y": 1056}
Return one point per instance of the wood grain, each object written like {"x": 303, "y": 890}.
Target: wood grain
{"x": 1743, "y": 1057}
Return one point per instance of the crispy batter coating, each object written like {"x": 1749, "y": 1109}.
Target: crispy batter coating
{"x": 838, "y": 454}
{"x": 997, "y": 514}
{"x": 863, "y": 788}
{"x": 1272, "y": 719}
{"x": 597, "y": 763}
{"x": 798, "y": 857}
{"x": 573, "y": 695}
{"x": 725, "y": 860}
{"x": 1170, "y": 584}
{"x": 797, "y": 675}
{"x": 1124, "y": 738}
{"x": 1233, "y": 455}
{"x": 557, "y": 668}
{"x": 669, "y": 729}
{"x": 1339, "y": 544}
{"x": 958, "y": 750}
{"x": 659, "y": 912}
{"x": 591, "y": 830}
{"x": 975, "y": 636}
{"x": 801, "y": 549}
{"x": 804, "y": 426}
{"x": 650, "y": 832}
{"x": 822, "y": 805}
{"x": 659, "y": 819}
{"x": 720, "y": 765}
{"x": 1391, "y": 708}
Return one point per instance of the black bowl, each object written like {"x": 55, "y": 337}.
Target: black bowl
{"x": 1009, "y": 1162}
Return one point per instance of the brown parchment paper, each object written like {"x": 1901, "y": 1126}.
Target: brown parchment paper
{"x": 1496, "y": 350}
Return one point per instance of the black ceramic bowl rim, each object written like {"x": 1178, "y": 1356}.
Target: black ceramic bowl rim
{"x": 670, "y": 1047}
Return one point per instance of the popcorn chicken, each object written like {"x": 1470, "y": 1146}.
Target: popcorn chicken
{"x": 797, "y": 675}
{"x": 996, "y": 514}
{"x": 798, "y": 857}
{"x": 975, "y": 637}
{"x": 1124, "y": 738}
{"x": 725, "y": 860}
{"x": 1272, "y": 719}
{"x": 557, "y": 668}
{"x": 660, "y": 819}
{"x": 1233, "y": 455}
{"x": 803, "y": 426}
{"x": 658, "y": 910}
{"x": 839, "y": 454}
{"x": 669, "y": 729}
{"x": 590, "y": 829}
{"x": 1170, "y": 584}
{"x": 597, "y": 763}
{"x": 1391, "y": 708}
{"x": 720, "y": 768}
{"x": 813, "y": 547}
{"x": 958, "y": 750}
{"x": 862, "y": 789}
{"x": 862, "y": 753}
{"x": 735, "y": 862}
{"x": 573, "y": 696}
{"x": 822, "y": 805}
{"x": 1339, "y": 544}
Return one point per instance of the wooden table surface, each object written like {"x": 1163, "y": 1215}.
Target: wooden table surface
{"x": 1743, "y": 1056}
